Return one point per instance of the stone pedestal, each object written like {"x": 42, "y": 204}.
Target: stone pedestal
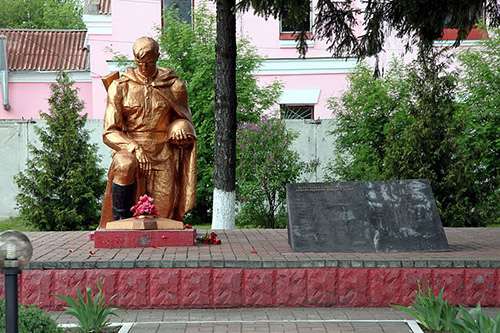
{"x": 143, "y": 238}
{"x": 143, "y": 231}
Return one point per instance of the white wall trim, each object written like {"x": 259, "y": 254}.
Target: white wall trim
{"x": 465, "y": 42}
{"x": 307, "y": 66}
{"x": 291, "y": 43}
{"x": 47, "y": 76}
{"x": 98, "y": 24}
{"x": 299, "y": 96}
{"x": 115, "y": 65}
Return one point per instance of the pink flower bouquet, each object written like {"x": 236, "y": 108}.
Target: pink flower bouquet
{"x": 145, "y": 207}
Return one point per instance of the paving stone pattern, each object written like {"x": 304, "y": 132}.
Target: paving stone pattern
{"x": 258, "y": 248}
{"x": 335, "y": 320}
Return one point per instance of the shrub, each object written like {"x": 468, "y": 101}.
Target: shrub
{"x": 31, "y": 319}
{"x": 62, "y": 186}
{"x": 265, "y": 165}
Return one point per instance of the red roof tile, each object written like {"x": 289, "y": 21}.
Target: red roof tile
{"x": 46, "y": 50}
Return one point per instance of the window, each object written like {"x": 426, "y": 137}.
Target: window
{"x": 182, "y": 6}
{"x": 297, "y": 111}
{"x": 287, "y": 30}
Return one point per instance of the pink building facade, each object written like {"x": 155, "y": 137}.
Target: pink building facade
{"x": 307, "y": 82}
{"x": 114, "y": 25}
{"x": 30, "y": 64}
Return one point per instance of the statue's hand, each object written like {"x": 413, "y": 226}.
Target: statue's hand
{"x": 144, "y": 162}
{"x": 181, "y": 138}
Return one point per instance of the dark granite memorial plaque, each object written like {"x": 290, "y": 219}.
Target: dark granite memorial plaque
{"x": 376, "y": 216}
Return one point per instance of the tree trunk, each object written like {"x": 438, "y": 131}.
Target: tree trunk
{"x": 225, "y": 117}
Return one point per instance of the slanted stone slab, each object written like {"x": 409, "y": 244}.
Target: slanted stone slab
{"x": 131, "y": 225}
{"x": 371, "y": 216}
{"x": 145, "y": 223}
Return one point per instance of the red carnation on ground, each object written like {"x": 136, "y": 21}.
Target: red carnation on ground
{"x": 209, "y": 239}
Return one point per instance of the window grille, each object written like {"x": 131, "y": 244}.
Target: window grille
{"x": 297, "y": 112}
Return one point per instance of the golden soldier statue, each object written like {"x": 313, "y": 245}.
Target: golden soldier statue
{"x": 149, "y": 127}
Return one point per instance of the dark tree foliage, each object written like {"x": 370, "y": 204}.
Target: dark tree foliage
{"x": 410, "y": 124}
{"x": 424, "y": 142}
{"x": 418, "y": 21}
{"x": 62, "y": 186}
{"x": 41, "y": 14}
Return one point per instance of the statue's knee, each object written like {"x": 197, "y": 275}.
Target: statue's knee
{"x": 124, "y": 165}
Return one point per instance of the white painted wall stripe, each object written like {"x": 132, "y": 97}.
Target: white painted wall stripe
{"x": 307, "y": 66}
{"x": 47, "y": 76}
{"x": 98, "y": 24}
{"x": 299, "y": 96}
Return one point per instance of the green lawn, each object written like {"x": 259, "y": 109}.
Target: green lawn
{"x": 15, "y": 223}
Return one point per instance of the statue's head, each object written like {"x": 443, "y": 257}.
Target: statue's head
{"x": 146, "y": 52}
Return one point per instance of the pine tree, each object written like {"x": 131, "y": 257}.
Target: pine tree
{"x": 62, "y": 186}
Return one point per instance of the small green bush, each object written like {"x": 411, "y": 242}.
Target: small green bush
{"x": 62, "y": 185}
{"x": 476, "y": 321}
{"x": 266, "y": 164}
{"x": 438, "y": 315}
{"x": 31, "y": 319}
{"x": 93, "y": 315}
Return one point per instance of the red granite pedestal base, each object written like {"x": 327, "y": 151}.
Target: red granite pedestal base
{"x": 143, "y": 238}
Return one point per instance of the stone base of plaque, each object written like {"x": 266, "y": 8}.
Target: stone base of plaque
{"x": 104, "y": 238}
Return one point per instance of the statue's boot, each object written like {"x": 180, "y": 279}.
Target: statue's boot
{"x": 123, "y": 200}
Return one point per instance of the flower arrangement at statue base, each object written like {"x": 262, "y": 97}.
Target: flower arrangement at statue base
{"x": 145, "y": 207}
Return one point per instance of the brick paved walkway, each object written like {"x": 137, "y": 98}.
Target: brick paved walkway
{"x": 257, "y": 248}
{"x": 289, "y": 320}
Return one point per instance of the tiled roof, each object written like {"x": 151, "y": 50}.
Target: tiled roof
{"x": 46, "y": 50}
{"x": 105, "y": 7}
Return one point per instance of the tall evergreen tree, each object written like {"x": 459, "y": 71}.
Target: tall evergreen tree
{"x": 62, "y": 185}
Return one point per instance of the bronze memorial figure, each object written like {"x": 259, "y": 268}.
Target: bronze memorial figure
{"x": 148, "y": 125}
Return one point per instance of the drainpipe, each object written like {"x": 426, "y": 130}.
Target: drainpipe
{"x": 4, "y": 73}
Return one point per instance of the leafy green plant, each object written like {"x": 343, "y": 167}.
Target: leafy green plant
{"x": 266, "y": 164}
{"x": 434, "y": 313}
{"x": 41, "y": 14}
{"x": 476, "y": 321}
{"x": 62, "y": 185}
{"x": 31, "y": 319}
{"x": 92, "y": 314}
{"x": 479, "y": 78}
